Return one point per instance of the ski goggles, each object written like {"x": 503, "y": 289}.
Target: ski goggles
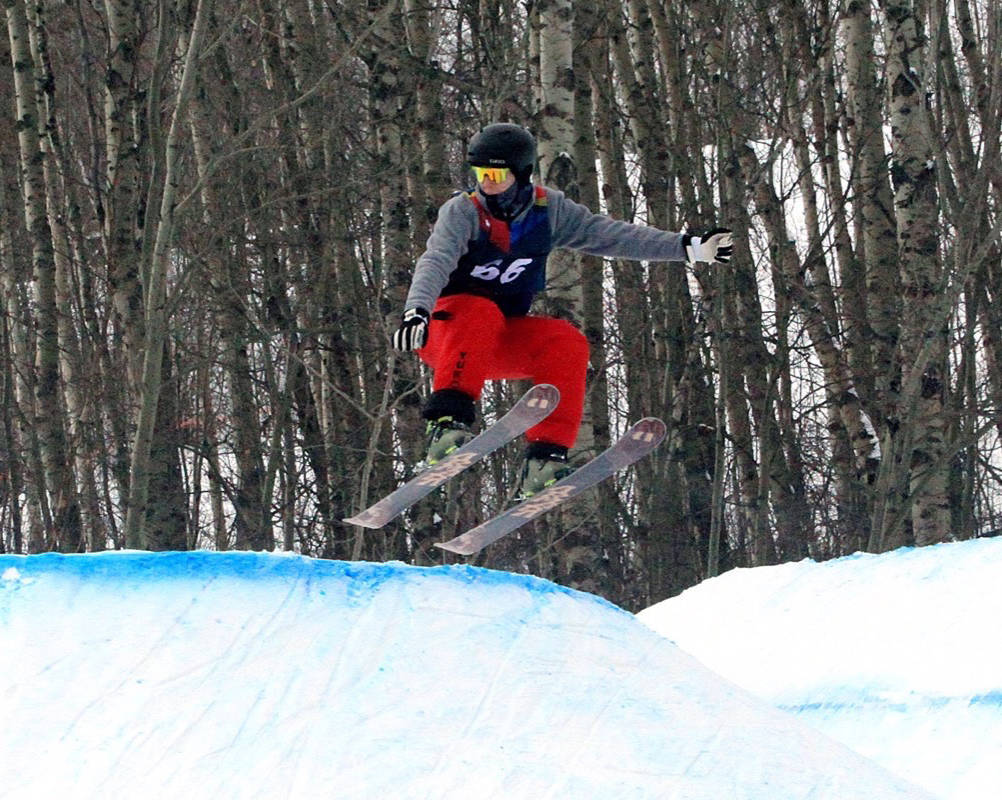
{"x": 496, "y": 174}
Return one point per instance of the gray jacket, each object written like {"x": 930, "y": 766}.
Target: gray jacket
{"x": 572, "y": 226}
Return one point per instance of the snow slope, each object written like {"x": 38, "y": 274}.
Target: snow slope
{"x": 898, "y": 655}
{"x": 238, "y": 675}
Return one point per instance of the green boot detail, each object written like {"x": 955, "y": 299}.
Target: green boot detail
{"x": 540, "y": 473}
{"x": 445, "y": 436}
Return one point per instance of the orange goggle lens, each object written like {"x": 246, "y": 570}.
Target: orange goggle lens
{"x": 496, "y": 174}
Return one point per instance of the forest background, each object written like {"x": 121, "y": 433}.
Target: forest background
{"x": 210, "y": 212}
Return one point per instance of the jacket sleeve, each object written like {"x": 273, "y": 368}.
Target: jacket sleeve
{"x": 449, "y": 241}
{"x": 576, "y": 227}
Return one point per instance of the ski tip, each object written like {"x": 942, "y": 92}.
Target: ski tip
{"x": 544, "y": 395}
{"x": 456, "y": 546}
{"x": 649, "y": 430}
{"x": 365, "y": 522}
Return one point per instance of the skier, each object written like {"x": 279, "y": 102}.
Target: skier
{"x": 485, "y": 261}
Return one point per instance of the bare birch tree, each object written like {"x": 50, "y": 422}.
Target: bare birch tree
{"x": 49, "y": 419}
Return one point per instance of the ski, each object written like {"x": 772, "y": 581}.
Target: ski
{"x": 637, "y": 442}
{"x": 534, "y": 406}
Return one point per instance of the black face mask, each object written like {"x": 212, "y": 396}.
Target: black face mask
{"x": 510, "y": 202}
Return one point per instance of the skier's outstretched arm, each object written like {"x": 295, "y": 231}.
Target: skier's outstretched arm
{"x": 578, "y": 228}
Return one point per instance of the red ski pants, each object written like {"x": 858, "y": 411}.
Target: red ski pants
{"x": 470, "y": 341}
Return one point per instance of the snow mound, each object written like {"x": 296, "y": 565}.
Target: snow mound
{"x": 896, "y": 655}
{"x": 240, "y": 675}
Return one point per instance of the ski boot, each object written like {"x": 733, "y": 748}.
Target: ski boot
{"x": 545, "y": 464}
{"x": 445, "y": 436}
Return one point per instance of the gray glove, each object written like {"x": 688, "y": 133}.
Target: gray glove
{"x": 413, "y": 331}
{"x": 713, "y": 246}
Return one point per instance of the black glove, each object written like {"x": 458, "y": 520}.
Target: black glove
{"x": 413, "y": 331}
{"x": 716, "y": 245}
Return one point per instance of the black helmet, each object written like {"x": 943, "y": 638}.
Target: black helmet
{"x": 504, "y": 145}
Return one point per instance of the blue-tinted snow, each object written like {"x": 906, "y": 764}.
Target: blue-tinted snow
{"x": 240, "y": 675}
